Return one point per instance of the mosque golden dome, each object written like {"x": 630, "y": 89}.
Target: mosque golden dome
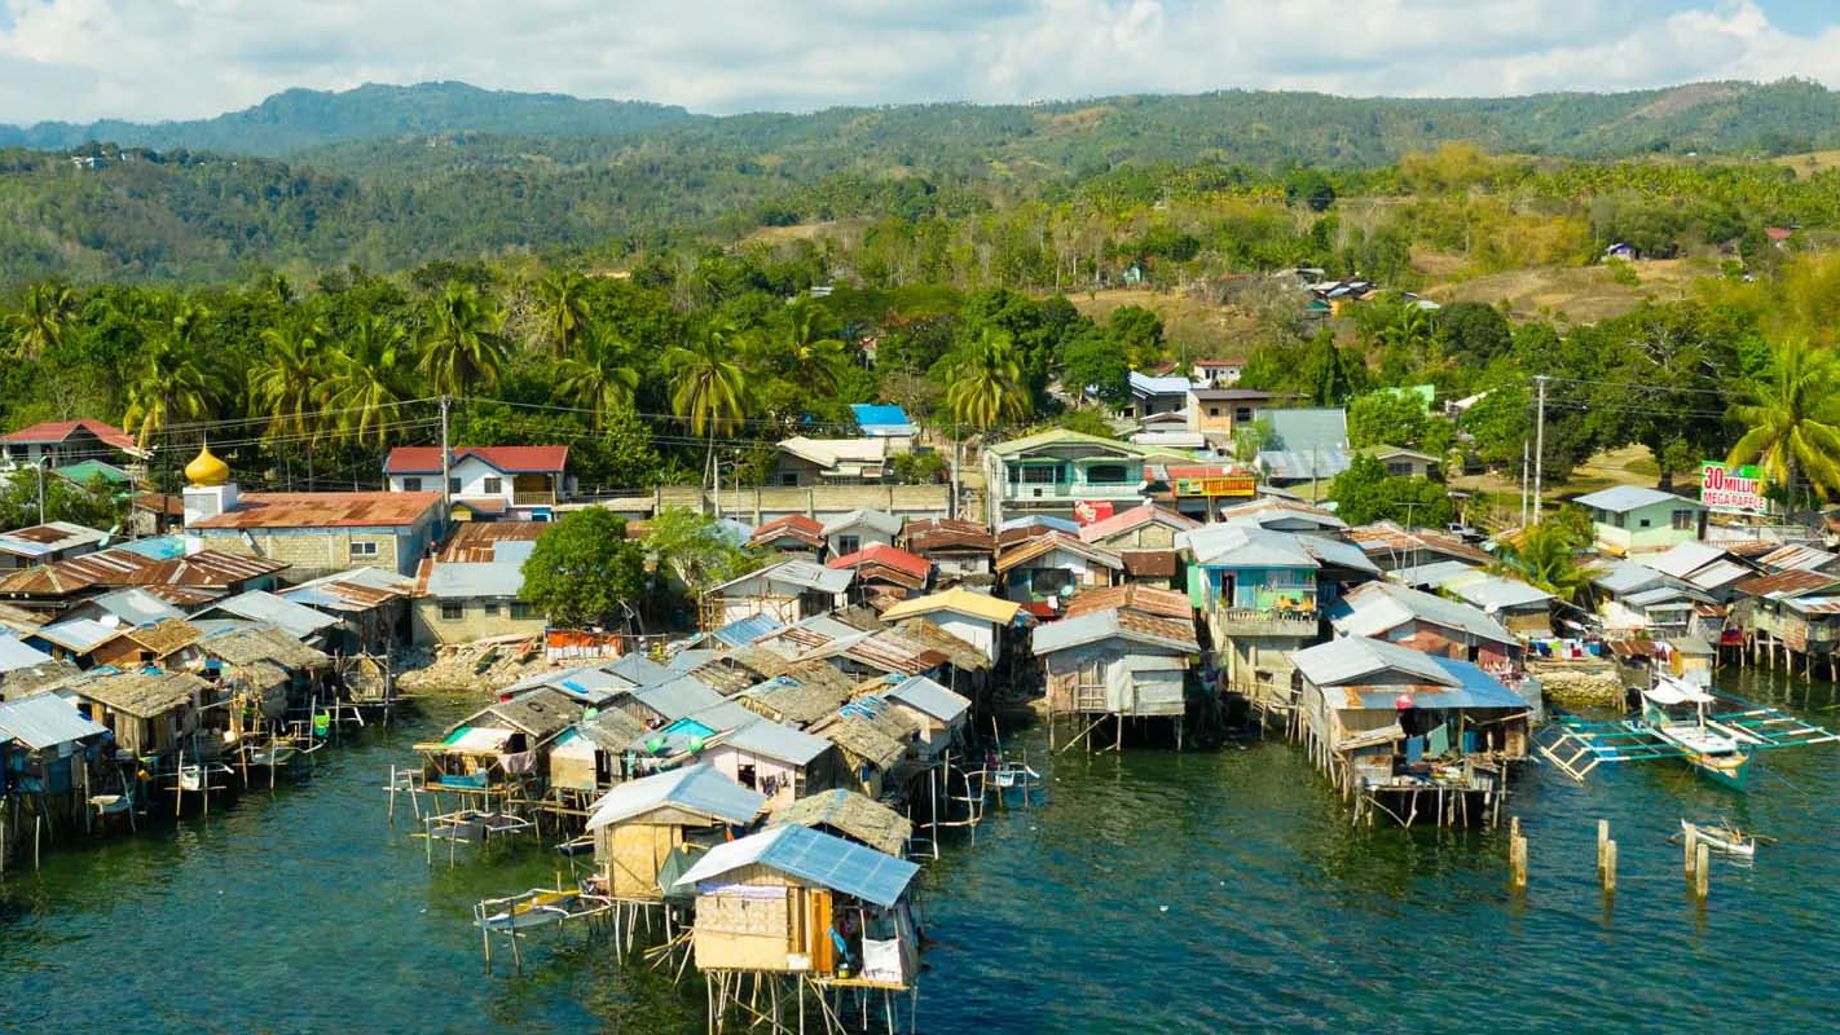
{"x": 206, "y": 470}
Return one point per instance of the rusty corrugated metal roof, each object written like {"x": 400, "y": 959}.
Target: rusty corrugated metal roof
{"x": 326, "y": 510}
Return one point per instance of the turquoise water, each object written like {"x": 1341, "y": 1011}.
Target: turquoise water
{"x": 304, "y": 911}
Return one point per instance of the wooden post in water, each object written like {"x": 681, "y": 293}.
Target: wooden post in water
{"x": 1691, "y": 841}
{"x": 1517, "y": 863}
{"x": 1702, "y": 872}
{"x": 1609, "y": 868}
{"x": 1603, "y": 838}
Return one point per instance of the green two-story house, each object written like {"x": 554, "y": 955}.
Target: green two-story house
{"x": 1629, "y": 520}
{"x": 1055, "y": 471}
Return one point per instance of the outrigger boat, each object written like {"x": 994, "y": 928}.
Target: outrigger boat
{"x": 1716, "y": 750}
{"x": 1721, "y": 837}
{"x": 1678, "y": 721}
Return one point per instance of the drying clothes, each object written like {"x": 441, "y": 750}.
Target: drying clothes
{"x": 1437, "y": 742}
{"x": 522, "y": 762}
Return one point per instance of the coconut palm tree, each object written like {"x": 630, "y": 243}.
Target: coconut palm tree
{"x": 288, "y": 382}
{"x": 168, "y": 387}
{"x": 366, "y": 373}
{"x": 985, "y": 386}
{"x": 561, "y": 309}
{"x": 707, "y": 387}
{"x": 1794, "y": 420}
{"x": 602, "y": 377}
{"x": 1546, "y": 556}
{"x": 39, "y": 324}
{"x": 460, "y": 340}
{"x": 815, "y": 362}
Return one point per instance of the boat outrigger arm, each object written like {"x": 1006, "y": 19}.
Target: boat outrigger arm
{"x": 1581, "y": 745}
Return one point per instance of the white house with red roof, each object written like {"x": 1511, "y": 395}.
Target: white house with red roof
{"x": 487, "y": 483}
{"x": 66, "y": 442}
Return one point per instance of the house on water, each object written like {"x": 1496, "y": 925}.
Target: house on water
{"x": 1117, "y": 662}
{"x": 638, "y": 824}
{"x": 1053, "y": 566}
{"x": 845, "y": 813}
{"x": 787, "y": 592}
{"x": 778, "y": 903}
{"x": 1408, "y": 734}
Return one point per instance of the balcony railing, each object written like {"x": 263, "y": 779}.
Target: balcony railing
{"x": 544, "y": 498}
{"x": 1256, "y": 621}
{"x": 1071, "y": 490}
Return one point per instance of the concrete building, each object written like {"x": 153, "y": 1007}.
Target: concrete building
{"x": 316, "y": 533}
{"x": 1629, "y": 520}
{"x": 487, "y": 482}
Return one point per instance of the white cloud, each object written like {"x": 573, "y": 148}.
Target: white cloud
{"x": 83, "y": 59}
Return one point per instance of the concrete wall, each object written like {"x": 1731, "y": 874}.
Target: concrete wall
{"x": 1152, "y": 536}
{"x": 313, "y": 552}
{"x": 475, "y": 624}
{"x": 760, "y": 504}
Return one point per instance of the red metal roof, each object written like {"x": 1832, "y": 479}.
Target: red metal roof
{"x": 54, "y": 432}
{"x": 797, "y": 526}
{"x": 509, "y": 459}
{"x": 886, "y": 556}
{"x": 948, "y": 534}
{"x": 1163, "y": 603}
{"x": 326, "y": 510}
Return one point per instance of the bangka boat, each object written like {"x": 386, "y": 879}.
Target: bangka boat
{"x": 1721, "y": 837}
{"x": 1678, "y": 721}
{"x": 1716, "y": 751}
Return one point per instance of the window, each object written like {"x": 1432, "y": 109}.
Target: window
{"x": 453, "y": 486}
{"x": 1621, "y": 520}
{"x": 1683, "y": 520}
{"x": 1038, "y": 474}
{"x": 522, "y": 611}
{"x": 1644, "y": 523}
{"x": 847, "y": 544}
{"x": 359, "y": 549}
{"x": 1213, "y": 411}
{"x": 491, "y": 608}
{"x": 412, "y": 485}
{"x": 452, "y": 612}
{"x": 790, "y": 478}
{"x": 1399, "y": 468}
{"x": 1242, "y": 413}
{"x": 494, "y": 486}
{"x": 1107, "y": 474}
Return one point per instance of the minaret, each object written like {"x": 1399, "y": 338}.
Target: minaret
{"x": 209, "y": 490}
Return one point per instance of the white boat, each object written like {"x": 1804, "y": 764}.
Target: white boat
{"x": 1721, "y": 838}
{"x": 1706, "y": 745}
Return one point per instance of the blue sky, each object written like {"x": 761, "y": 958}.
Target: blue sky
{"x": 149, "y": 59}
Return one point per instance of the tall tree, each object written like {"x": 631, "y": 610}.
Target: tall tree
{"x": 168, "y": 387}
{"x": 584, "y": 571}
{"x": 461, "y": 340}
{"x": 367, "y": 372}
{"x": 815, "y": 361}
{"x": 601, "y": 377}
{"x": 39, "y": 324}
{"x": 561, "y": 309}
{"x": 986, "y": 386}
{"x": 1794, "y": 420}
{"x": 287, "y": 383}
{"x": 707, "y": 391}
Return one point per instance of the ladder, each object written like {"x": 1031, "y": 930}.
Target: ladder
{"x": 1560, "y": 754}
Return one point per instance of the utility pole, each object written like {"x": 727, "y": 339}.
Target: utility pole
{"x": 952, "y": 499}
{"x": 447, "y": 462}
{"x": 42, "y": 461}
{"x": 1539, "y": 449}
{"x": 1526, "y": 473}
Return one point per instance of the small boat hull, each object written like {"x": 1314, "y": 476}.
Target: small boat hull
{"x": 1729, "y": 842}
{"x": 1727, "y": 770}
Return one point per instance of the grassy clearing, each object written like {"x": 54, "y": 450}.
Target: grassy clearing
{"x": 1579, "y": 294}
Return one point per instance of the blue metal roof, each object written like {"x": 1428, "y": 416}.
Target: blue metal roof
{"x": 14, "y": 654}
{"x": 159, "y": 548}
{"x": 1621, "y": 499}
{"x": 928, "y": 696}
{"x": 809, "y": 855}
{"x": 882, "y": 419}
{"x": 637, "y": 669}
{"x": 744, "y": 631}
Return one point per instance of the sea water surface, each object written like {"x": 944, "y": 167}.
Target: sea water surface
{"x": 1150, "y": 892}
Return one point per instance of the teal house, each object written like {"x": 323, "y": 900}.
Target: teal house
{"x": 1628, "y": 520}
{"x": 1055, "y": 471}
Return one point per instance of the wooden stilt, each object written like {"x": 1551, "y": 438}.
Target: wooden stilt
{"x": 1702, "y": 872}
{"x": 1609, "y": 868}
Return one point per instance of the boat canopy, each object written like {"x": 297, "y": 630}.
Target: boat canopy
{"x": 1671, "y": 692}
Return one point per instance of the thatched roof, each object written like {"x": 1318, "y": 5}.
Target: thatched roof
{"x": 611, "y": 730}
{"x": 540, "y": 713}
{"x": 262, "y": 643}
{"x": 866, "y": 738}
{"x": 852, "y": 815}
{"x": 143, "y": 695}
{"x": 167, "y": 637}
{"x": 42, "y": 677}
{"x": 792, "y": 702}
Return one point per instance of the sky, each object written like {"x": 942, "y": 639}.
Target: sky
{"x": 155, "y": 59}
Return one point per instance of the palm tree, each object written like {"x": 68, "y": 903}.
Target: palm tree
{"x": 1546, "y": 556}
{"x": 169, "y": 386}
{"x": 985, "y": 386}
{"x": 38, "y": 326}
{"x": 288, "y": 382}
{"x": 1794, "y": 420}
{"x": 816, "y": 363}
{"x": 363, "y": 384}
{"x": 602, "y": 378}
{"x": 561, "y": 309}
{"x": 460, "y": 340}
{"x": 707, "y": 392}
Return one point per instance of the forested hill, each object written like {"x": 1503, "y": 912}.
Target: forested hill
{"x": 389, "y": 177}
{"x": 297, "y": 119}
